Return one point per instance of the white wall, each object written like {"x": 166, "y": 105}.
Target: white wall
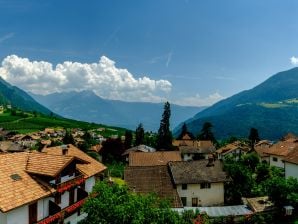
{"x": 43, "y": 208}
{"x": 89, "y": 184}
{"x": 291, "y": 170}
{"x": 279, "y": 163}
{"x": 206, "y": 197}
{"x": 18, "y": 216}
{"x": 64, "y": 200}
{"x": 74, "y": 219}
{"x": 3, "y": 218}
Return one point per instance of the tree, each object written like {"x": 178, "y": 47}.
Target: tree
{"x": 184, "y": 131}
{"x": 164, "y": 137}
{"x": 112, "y": 150}
{"x": 253, "y": 137}
{"x": 68, "y": 138}
{"x": 139, "y": 135}
{"x": 206, "y": 133}
{"x": 116, "y": 204}
{"x": 128, "y": 139}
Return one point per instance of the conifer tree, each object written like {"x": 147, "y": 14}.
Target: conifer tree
{"x": 140, "y": 135}
{"x": 128, "y": 139}
{"x": 164, "y": 137}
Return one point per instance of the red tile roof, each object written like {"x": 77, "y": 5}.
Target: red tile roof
{"x": 153, "y": 158}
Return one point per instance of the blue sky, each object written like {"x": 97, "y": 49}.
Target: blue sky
{"x": 189, "y": 52}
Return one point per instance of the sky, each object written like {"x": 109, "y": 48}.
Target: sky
{"x": 189, "y": 52}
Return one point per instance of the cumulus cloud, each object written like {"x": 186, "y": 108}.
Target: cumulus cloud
{"x": 197, "y": 100}
{"x": 294, "y": 60}
{"x": 104, "y": 78}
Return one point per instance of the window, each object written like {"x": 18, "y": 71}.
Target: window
{"x": 71, "y": 196}
{"x": 184, "y": 186}
{"x": 205, "y": 185}
{"x": 274, "y": 159}
{"x": 33, "y": 213}
{"x": 184, "y": 200}
{"x": 194, "y": 202}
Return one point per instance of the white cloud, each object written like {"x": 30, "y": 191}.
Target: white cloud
{"x": 197, "y": 100}
{"x": 6, "y": 37}
{"x": 294, "y": 60}
{"x": 104, "y": 78}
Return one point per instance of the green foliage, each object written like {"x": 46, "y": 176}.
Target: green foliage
{"x": 253, "y": 137}
{"x": 128, "y": 139}
{"x": 115, "y": 204}
{"x": 139, "y": 135}
{"x": 68, "y": 138}
{"x": 112, "y": 150}
{"x": 206, "y": 133}
{"x": 116, "y": 169}
{"x": 164, "y": 137}
{"x": 29, "y": 123}
{"x": 250, "y": 178}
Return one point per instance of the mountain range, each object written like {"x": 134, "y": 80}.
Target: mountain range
{"x": 87, "y": 106}
{"x": 271, "y": 107}
{"x": 12, "y": 95}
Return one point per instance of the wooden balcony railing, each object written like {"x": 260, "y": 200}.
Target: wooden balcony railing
{"x": 63, "y": 213}
{"x": 61, "y": 187}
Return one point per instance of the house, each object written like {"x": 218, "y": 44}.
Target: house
{"x": 235, "y": 149}
{"x": 192, "y": 149}
{"x": 156, "y": 179}
{"x": 200, "y": 150}
{"x": 291, "y": 164}
{"x": 278, "y": 151}
{"x": 261, "y": 147}
{"x": 139, "y": 148}
{"x": 153, "y": 158}
{"x": 45, "y": 187}
{"x": 199, "y": 183}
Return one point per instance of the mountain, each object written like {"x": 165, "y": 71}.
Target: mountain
{"x": 271, "y": 107}
{"x": 87, "y": 106}
{"x": 18, "y": 98}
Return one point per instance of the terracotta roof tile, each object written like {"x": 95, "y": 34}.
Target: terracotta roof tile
{"x": 92, "y": 168}
{"x": 153, "y": 158}
{"x": 150, "y": 179}
{"x": 20, "y": 188}
{"x": 282, "y": 148}
{"x": 47, "y": 164}
{"x": 292, "y": 157}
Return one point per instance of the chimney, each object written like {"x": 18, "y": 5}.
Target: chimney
{"x": 64, "y": 149}
{"x": 210, "y": 161}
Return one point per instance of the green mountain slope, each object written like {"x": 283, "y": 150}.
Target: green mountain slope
{"x": 19, "y": 99}
{"x": 271, "y": 107}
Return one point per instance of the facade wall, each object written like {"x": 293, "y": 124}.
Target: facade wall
{"x": 279, "y": 163}
{"x": 64, "y": 200}
{"x": 291, "y": 170}
{"x": 3, "y": 218}
{"x": 89, "y": 184}
{"x": 17, "y": 215}
{"x": 43, "y": 208}
{"x": 206, "y": 197}
{"x": 74, "y": 219}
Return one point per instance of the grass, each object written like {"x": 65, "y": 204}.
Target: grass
{"x": 26, "y": 123}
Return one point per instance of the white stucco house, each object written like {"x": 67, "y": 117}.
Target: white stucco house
{"x": 291, "y": 164}
{"x": 279, "y": 151}
{"x": 199, "y": 183}
{"x": 47, "y": 187}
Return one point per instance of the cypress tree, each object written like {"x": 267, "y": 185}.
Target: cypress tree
{"x": 164, "y": 137}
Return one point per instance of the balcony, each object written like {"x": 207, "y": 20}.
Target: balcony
{"x": 64, "y": 186}
{"x": 68, "y": 211}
